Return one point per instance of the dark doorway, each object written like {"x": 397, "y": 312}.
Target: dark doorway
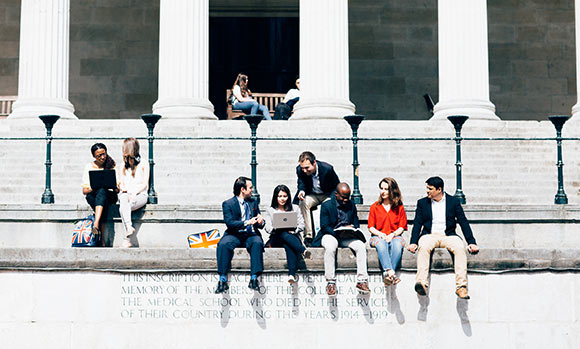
{"x": 265, "y": 48}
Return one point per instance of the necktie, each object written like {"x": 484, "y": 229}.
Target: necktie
{"x": 248, "y": 215}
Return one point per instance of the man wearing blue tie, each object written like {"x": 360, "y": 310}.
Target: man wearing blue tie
{"x": 242, "y": 217}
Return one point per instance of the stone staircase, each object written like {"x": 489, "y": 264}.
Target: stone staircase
{"x": 201, "y": 172}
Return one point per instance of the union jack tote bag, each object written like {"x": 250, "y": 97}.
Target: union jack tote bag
{"x": 83, "y": 233}
{"x": 206, "y": 239}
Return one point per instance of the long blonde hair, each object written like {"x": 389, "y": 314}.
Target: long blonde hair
{"x": 131, "y": 155}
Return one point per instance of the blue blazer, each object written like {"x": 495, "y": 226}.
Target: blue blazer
{"x": 453, "y": 214}
{"x": 233, "y": 217}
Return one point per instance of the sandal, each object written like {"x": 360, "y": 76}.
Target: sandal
{"x": 387, "y": 280}
{"x": 396, "y": 279}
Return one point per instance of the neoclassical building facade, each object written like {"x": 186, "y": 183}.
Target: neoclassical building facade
{"x": 378, "y": 55}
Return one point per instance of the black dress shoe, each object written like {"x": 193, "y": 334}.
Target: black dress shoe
{"x": 222, "y": 287}
{"x": 254, "y": 284}
{"x": 307, "y": 242}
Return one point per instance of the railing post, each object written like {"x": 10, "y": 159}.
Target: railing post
{"x": 558, "y": 121}
{"x": 254, "y": 120}
{"x": 458, "y": 121}
{"x": 354, "y": 122}
{"x": 151, "y": 120}
{"x": 49, "y": 121}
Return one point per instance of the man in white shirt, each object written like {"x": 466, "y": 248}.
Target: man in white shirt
{"x": 437, "y": 215}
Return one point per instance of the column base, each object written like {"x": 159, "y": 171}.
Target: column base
{"x": 575, "y": 112}
{"x": 327, "y": 108}
{"x": 475, "y": 109}
{"x": 33, "y": 108}
{"x": 184, "y": 108}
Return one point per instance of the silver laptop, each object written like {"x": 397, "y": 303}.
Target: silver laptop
{"x": 285, "y": 220}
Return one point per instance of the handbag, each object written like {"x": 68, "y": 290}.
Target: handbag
{"x": 83, "y": 233}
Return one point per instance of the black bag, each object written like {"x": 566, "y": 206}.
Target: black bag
{"x": 282, "y": 112}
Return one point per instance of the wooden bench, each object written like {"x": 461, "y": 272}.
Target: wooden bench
{"x": 270, "y": 100}
{"x": 6, "y": 105}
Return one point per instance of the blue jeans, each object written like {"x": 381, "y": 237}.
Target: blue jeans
{"x": 390, "y": 253}
{"x": 251, "y": 107}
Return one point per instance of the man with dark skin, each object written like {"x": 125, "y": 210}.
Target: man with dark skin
{"x": 339, "y": 227}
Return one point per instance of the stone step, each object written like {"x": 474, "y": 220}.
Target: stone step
{"x": 167, "y": 226}
{"x": 488, "y": 172}
{"x": 163, "y": 259}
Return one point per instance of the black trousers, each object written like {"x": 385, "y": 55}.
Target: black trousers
{"x": 102, "y": 197}
{"x": 291, "y": 244}
{"x": 225, "y": 251}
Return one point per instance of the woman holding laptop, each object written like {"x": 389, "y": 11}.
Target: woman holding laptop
{"x": 284, "y": 223}
{"x": 99, "y": 198}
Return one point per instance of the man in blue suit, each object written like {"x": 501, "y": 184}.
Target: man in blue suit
{"x": 242, "y": 217}
{"x": 438, "y": 215}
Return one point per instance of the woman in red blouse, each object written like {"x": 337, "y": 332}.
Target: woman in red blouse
{"x": 387, "y": 222}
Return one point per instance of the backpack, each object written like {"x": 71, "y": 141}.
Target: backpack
{"x": 83, "y": 233}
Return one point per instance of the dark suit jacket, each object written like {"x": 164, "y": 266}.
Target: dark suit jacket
{"x": 453, "y": 214}
{"x": 233, "y": 217}
{"x": 329, "y": 219}
{"x": 328, "y": 179}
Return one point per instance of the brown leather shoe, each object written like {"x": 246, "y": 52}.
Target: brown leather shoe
{"x": 421, "y": 289}
{"x": 331, "y": 289}
{"x": 461, "y": 292}
{"x": 363, "y": 288}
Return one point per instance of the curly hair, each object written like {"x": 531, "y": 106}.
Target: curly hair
{"x": 109, "y": 162}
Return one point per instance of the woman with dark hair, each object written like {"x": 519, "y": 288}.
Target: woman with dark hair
{"x": 243, "y": 100}
{"x": 99, "y": 199}
{"x": 134, "y": 183}
{"x": 289, "y": 238}
{"x": 387, "y": 222}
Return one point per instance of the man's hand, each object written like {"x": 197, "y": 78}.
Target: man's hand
{"x": 252, "y": 221}
{"x": 301, "y": 195}
{"x": 389, "y": 237}
{"x": 259, "y": 219}
{"x": 412, "y": 248}
{"x": 473, "y": 248}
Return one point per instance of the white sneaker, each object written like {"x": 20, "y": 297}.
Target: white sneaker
{"x": 291, "y": 279}
{"x": 126, "y": 243}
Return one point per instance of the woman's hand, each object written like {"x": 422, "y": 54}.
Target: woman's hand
{"x": 390, "y": 237}
{"x": 86, "y": 191}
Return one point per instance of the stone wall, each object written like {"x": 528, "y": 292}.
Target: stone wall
{"x": 84, "y": 309}
{"x": 9, "y": 45}
{"x": 532, "y": 58}
{"x": 114, "y": 57}
{"x": 393, "y": 56}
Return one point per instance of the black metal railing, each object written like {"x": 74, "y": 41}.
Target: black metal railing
{"x": 353, "y": 120}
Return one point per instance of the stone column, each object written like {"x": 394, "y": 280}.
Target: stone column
{"x": 43, "y": 68}
{"x": 324, "y": 77}
{"x": 463, "y": 61}
{"x": 576, "y": 107}
{"x": 184, "y": 60}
